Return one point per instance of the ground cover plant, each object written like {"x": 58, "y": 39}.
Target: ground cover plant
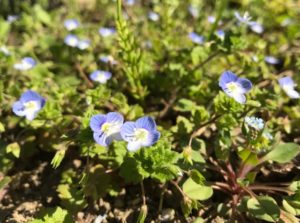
{"x": 149, "y": 111}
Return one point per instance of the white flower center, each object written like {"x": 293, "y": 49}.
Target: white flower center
{"x": 232, "y": 87}
{"x": 101, "y": 78}
{"x": 31, "y": 106}
{"x": 110, "y": 128}
{"x": 141, "y": 134}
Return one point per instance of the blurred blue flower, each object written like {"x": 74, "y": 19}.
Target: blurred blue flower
{"x": 29, "y": 105}
{"x": 140, "y": 133}
{"x": 194, "y": 11}
{"x": 27, "y": 63}
{"x": 71, "y": 24}
{"x": 220, "y": 33}
{"x": 245, "y": 19}
{"x": 256, "y": 27}
{"x": 71, "y": 40}
{"x": 196, "y": 38}
{"x": 108, "y": 59}
{"x": 100, "y": 76}
{"x": 234, "y": 86}
{"x": 12, "y": 18}
{"x": 107, "y": 127}
{"x": 130, "y": 2}
{"x": 272, "y": 60}
{"x": 287, "y": 84}
{"x": 153, "y": 16}
{"x": 106, "y": 32}
{"x": 211, "y": 19}
{"x": 254, "y": 122}
{"x": 83, "y": 44}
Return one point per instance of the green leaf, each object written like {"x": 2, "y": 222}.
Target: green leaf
{"x": 6, "y": 180}
{"x": 283, "y": 153}
{"x": 196, "y": 191}
{"x": 264, "y": 207}
{"x": 14, "y": 148}
{"x": 58, "y": 157}
{"x": 197, "y": 177}
{"x": 53, "y": 215}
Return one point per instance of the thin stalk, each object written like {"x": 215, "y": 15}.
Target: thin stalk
{"x": 221, "y": 8}
{"x": 143, "y": 193}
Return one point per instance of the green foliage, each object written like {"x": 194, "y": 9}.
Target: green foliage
{"x": 53, "y": 215}
{"x": 157, "y": 162}
{"x": 283, "y": 153}
{"x": 196, "y": 190}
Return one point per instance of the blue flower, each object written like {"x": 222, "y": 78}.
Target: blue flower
{"x": 220, "y": 33}
{"x": 287, "y": 84}
{"x": 106, "y": 32}
{"x": 271, "y": 60}
{"x": 100, "y": 76}
{"x": 71, "y": 40}
{"x": 234, "y": 86}
{"x": 153, "y": 16}
{"x": 194, "y": 11}
{"x": 107, "y": 127}
{"x": 29, "y": 105}
{"x": 196, "y": 38}
{"x": 12, "y": 18}
{"x": 245, "y": 19}
{"x": 211, "y": 19}
{"x": 71, "y": 24}
{"x": 140, "y": 133}
{"x": 108, "y": 59}
{"x": 254, "y": 122}
{"x": 83, "y": 44}
{"x": 130, "y": 2}
{"x": 256, "y": 27}
{"x": 27, "y": 63}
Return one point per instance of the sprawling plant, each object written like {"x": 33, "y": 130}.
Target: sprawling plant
{"x": 179, "y": 111}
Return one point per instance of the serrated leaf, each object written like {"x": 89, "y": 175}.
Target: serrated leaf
{"x": 283, "y": 153}
{"x": 264, "y": 208}
{"x": 196, "y": 191}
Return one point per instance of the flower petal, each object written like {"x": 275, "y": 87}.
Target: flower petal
{"x": 127, "y": 131}
{"x": 18, "y": 108}
{"x": 101, "y": 138}
{"x": 226, "y": 78}
{"x": 239, "y": 98}
{"x": 292, "y": 93}
{"x": 115, "y": 117}
{"x": 32, "y": 96}
{"x": 245, "y": 84}
{"x": 134, "y": 146}
{"x": 286, "y": 81}
{"x": 146, "y": 123}
{"x": 152, "y": 138}
{"x": 96, "y": 122}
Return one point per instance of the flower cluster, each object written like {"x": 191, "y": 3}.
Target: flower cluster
{"x": 109, "y": 127}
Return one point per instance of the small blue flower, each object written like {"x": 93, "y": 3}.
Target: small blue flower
{"x": 130, "y": 2}
{"x": 71, "y": 40}
{"x": 234, "y": 86}
{"x": 29, "y": 105}
{"x": 108, "y": 59}
{"x": 272, "y": 60}
{"x": 71, "y": 24}
{"x": 245, "y": 19}
{"x": 107, "y": 127}
{"x": 106, "y": 32}
{"x": 254, "y": 122}
{"x": 100, "y": 76}
{"x": 211, "y": 19}
{"x": 220, "y": 33}
{"x": 256, "y": 27}
{"x": 194, "y": 11}
{"x": 83, "y": 44}
{"x": 27, "y": 63}
{"x": 141, "y": 133}
{"x": 12, "y": 18}
{"x": 287, "y": 84}
{"x": 196, "y": 38}
{"x": 153, "y": 16}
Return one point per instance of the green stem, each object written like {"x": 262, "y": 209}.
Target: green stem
{"x": 221, "y": 8}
